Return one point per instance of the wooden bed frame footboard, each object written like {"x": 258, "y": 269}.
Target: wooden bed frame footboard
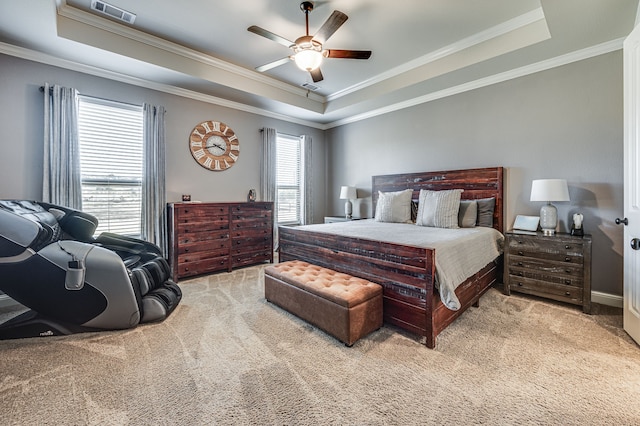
{"x": 406, "y": 273}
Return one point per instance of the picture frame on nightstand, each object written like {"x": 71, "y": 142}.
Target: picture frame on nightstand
{"x": 526, "y": 223}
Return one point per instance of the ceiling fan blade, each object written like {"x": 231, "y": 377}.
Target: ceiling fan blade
{"x": 271, "y": 36}
{"x": 330, "y": 26}
{"x": 265, "y": 67}
{"x": 347, "y": 54}
{"x": 316, "y": 75}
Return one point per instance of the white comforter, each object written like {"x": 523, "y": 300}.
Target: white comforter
{"x": 460, "y": 253}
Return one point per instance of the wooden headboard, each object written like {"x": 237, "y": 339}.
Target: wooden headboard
{"x": 477, "y": 183}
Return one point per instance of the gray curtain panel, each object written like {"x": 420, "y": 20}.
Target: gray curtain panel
{"x": 62, "y": 182}
{"x": 268, "y": 175}
{"x": 307, "y": 215}
{"x": 154, "y": 216}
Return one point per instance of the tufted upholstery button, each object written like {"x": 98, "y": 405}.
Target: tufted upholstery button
{"x": 340, "y": 288}
{"x": 344, "y": 306}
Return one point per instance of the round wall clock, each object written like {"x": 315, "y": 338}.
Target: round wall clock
{"x": 214, "y": 145}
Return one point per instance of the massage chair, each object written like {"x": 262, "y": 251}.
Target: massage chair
{"x": 72, "y": 282}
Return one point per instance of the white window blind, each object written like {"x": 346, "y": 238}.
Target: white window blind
{"x": 110, "y": 135}
{"x": 289, "y": 179}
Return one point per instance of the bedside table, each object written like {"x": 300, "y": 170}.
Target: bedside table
{"x": 334, "y": 219}
{"x": 556, "y": 267}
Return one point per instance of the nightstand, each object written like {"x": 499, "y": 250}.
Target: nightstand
{"x": 556, "y": 267}
{"x": 334, "y": 219}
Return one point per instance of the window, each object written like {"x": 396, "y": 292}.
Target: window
{"x": 289, "y": 179}
{"x": 110, "y": 136}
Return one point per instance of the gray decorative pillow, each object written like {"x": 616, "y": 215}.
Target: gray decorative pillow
{"x": 468, "y": 214}
{"x": 486, "y": 207}
{"x": 414, "y": 210}
{"x": 439, "y": 208}
{"x": 394, "y": 206}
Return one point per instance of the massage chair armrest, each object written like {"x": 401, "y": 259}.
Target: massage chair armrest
{"x": 127, "y": 246}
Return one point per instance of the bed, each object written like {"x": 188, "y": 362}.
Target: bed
{"x": 407, "y": 272}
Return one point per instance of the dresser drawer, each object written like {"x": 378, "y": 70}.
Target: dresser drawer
{"x": 189, "y": 257}
{"x": 251, "y": 258}
{"x": 200, "y": 211}
{"x": 250, "y": 242}
{"x": 194, "y": 237}
{"x": 214, "y": 224}
{"x": 560, "y": 292}
{"x": 203, "y": 246}
{"x": 252, "y": 232}
{"x": 519, "y": 265}
{"x": 203, "y": 267}
{"x": 563, "y": 251}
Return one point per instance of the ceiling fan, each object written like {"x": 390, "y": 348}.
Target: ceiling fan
{"x": 307, "y": 50}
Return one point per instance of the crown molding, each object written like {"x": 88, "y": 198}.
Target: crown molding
{"x": 576, "y": 56}
{"x": 466, "y": 43}
{"x": 43, "y": 58}
{"x": 174, "y": 48}
{"x": 558, "y": 61}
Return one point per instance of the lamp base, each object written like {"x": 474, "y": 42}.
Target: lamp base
{"x": 548, "y": 219}
{"x": 348, "y": 209}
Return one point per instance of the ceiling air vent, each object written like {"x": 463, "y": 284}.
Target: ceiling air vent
{"x": 310, "y": 86}
{"x": 113, "y": 11}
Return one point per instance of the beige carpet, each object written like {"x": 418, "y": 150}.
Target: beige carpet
{"x": 226, "y": 356}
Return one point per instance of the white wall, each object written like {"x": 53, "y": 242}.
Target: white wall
{"x": 21, "y": 147}
{"x": 561, "y": 123}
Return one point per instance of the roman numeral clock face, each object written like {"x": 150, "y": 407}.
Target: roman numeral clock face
{"x": 214, "y": 145}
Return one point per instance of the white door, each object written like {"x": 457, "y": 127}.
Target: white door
{"x": 631, "y": 244}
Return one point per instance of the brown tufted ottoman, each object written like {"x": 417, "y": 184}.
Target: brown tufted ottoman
{"x": 346, "y": 307}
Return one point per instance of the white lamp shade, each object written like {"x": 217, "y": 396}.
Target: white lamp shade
{"x": 348, "y": 193}
{"x": 549, "y": 190}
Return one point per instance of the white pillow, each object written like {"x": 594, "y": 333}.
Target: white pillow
{"x": 439, "y": 208}
{"x": 394, "y": 206}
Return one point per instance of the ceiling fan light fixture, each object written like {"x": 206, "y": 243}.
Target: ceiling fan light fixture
{"x": 308, "y": 59}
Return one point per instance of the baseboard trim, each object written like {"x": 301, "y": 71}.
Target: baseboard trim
{"x": 607, "y": 299}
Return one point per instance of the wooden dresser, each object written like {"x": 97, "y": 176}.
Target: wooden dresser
{"x": 557, "y": 267}
{"x": 210, "y": 237}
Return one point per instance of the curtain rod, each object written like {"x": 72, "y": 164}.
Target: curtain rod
{"x": 100, "y": 99}
{"x": 283, "y": 134}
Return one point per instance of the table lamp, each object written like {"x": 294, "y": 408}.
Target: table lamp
{"x": 348, "y": 193}
{"x": 549, "y": 190}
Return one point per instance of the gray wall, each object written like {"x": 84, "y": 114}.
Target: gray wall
{"x": 566, "y": 122}
{"x": 21, "y": 147}
{"x": 561, "y": 123}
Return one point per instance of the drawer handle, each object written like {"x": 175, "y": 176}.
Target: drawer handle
{"x": 567, "y": 247}
{"x": 520, "y": 284}
{"x": 567, "y": 259}
{"x": 567, "y": 281}
{"x": 186, "y": 250}
{"x": 520, "y": 253}
{"x": 568, "y": 271}
{"x": 520, "y": 274}
{"x": 566, "y": 293}
{"x": 519, "y": 263}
